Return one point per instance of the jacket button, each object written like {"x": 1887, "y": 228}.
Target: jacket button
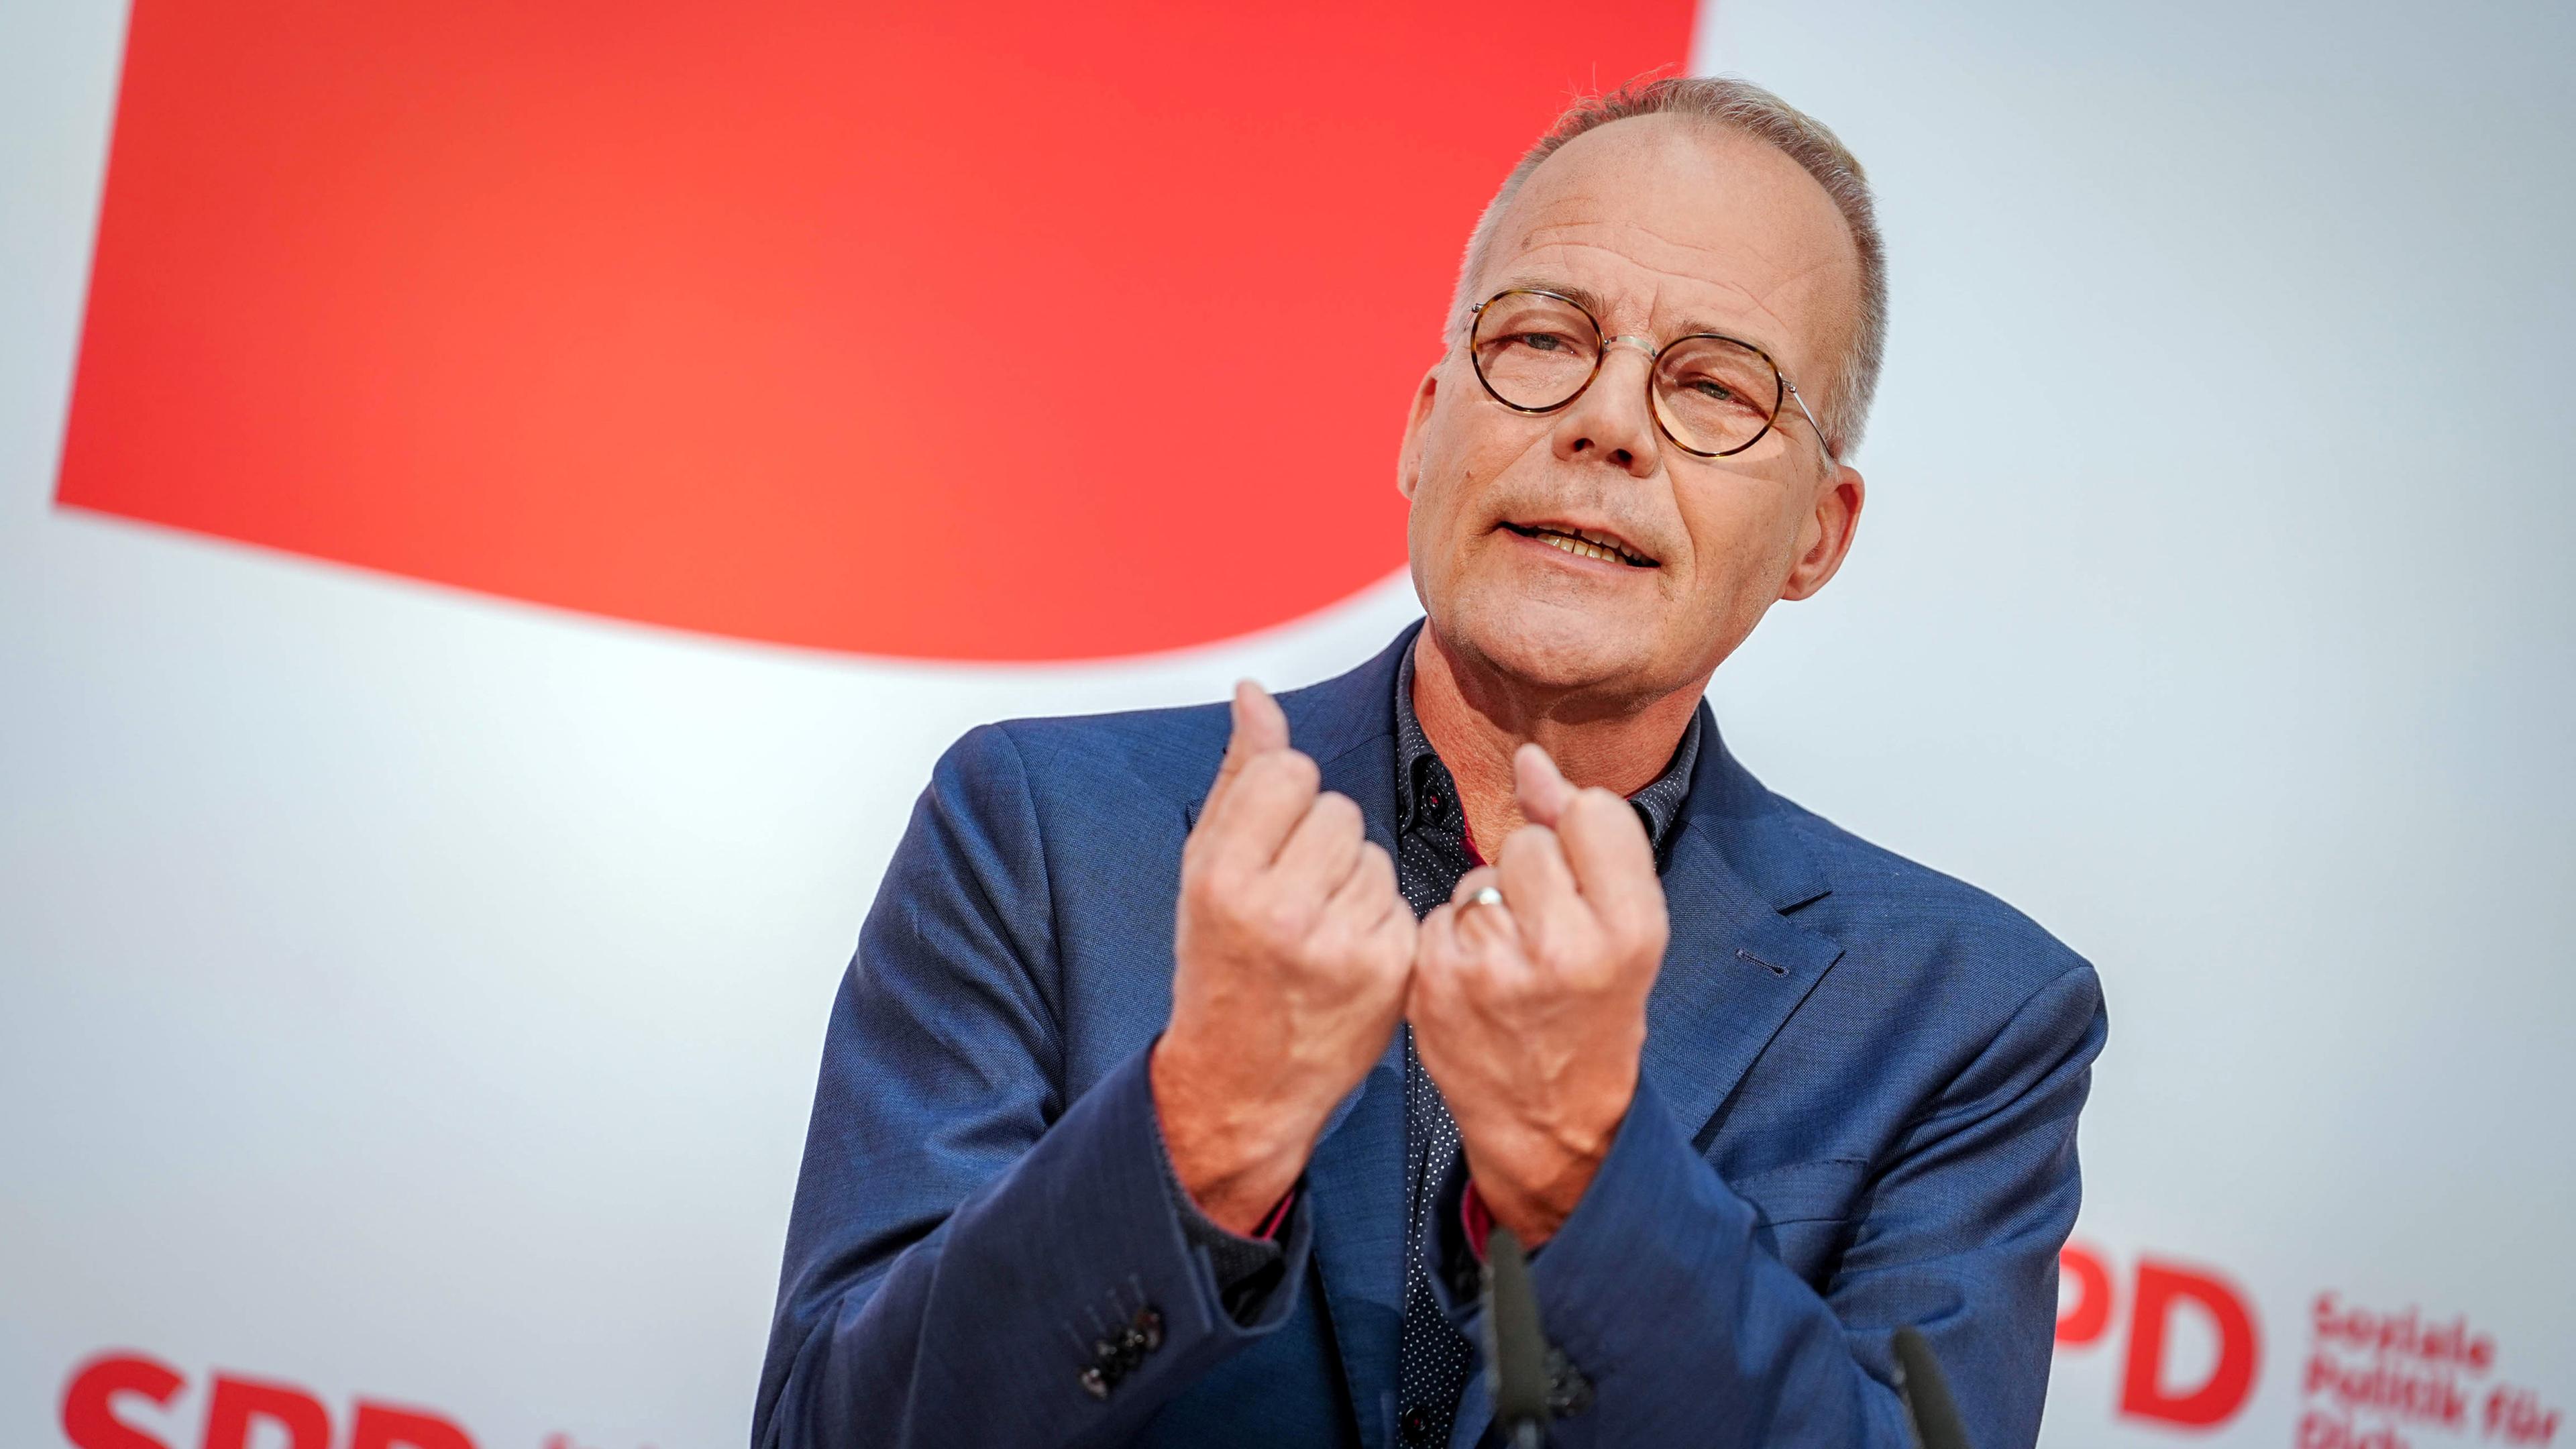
{"x": 1095, "y": 1383}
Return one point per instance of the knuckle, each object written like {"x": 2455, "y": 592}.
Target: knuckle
{"x": 1639, "y": 931}
{"x": 1297, "y": 768}
{"x": 1403, "y": 934}
{"x": 1544, "y": 944}
{"x": 1333, "y": 945}
{"x": 1376, "y": 864}
{"x": 1589, "y": 973}
{"x": 1223, "y": 878}
{"x": 1437, "y": 937}
{"x": 1262, "y": 774}
{"x": 1279, "y": 772}
{"x": 1282, "y": 918}
{"x": 1475, "y": 981}
{"x": 1200, "y": 886}
{"x": 1340, "y": 812}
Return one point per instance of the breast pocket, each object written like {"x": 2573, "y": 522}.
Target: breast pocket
{"x": 1803, "y": 1211}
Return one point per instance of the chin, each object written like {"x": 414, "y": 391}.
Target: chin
{"x": 1550, "y": 646}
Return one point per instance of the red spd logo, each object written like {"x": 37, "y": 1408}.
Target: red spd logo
{"x": 240, "y": 1412}
{"x": 2156, "y": 1295}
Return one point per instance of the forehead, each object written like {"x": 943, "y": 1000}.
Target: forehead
{"x": 1681, "y": 225}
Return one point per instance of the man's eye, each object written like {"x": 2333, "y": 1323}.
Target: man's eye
{"x": 1711, "y": 388}
{"x": 1543, "y": 341}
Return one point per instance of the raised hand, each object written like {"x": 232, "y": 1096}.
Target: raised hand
{"x": 1292, "y": 949}
{"x": 1531, "y": 1014}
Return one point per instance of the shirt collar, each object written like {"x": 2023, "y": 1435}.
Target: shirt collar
{"x": 1659, "y": 802}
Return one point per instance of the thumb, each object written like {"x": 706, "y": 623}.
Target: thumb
{"x": 1260, "y": 726}
{"x": 1543, "y": 791}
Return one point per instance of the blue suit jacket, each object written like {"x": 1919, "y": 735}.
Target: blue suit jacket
{"x": 1857, "y": 1111}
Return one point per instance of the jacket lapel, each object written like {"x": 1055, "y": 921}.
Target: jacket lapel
{"x": 1357, "y": 1174}
{"x": 1737, "y": 966}
{"x": 1355, "y": 1184}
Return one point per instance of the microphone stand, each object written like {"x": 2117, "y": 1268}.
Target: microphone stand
{"x": 1928, "y": 1405}
{"x": 1515, "y": 1347}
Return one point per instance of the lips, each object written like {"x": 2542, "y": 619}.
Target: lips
{"x": 1585, "y": 543}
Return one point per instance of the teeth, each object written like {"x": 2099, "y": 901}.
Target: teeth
{"x": 1586, "y": 545}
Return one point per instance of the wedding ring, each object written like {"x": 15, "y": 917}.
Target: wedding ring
{"x": 1488, "y": 896}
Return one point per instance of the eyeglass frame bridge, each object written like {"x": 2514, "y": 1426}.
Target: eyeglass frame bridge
{"x": 1653, "y": 354}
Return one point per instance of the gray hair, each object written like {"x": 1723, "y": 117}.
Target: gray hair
{"x": 1741, "y": 106}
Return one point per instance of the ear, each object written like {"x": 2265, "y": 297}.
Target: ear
{"x": 1408, "y": 454}
{"x": 1825, "y": 535}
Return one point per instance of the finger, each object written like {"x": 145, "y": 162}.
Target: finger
{"x": 1542, "y": 789}
{"x": 1259, "y": 725}
{"x": 1263, "y": 804}
{"x": 1373, "y": 897}
{"x": 1368, "y": 893}
{"x": 1321, "y": 849}
{"x": 1540, "y": 887}
{"x": 1435, "y": 952}
{"x": 1474, "y": 881}
{"x": 1484, "y": 928}
{"x": 1455, "y": 964}
{"x": 1403, "y": 934}
{"x": 1606, "y": 847}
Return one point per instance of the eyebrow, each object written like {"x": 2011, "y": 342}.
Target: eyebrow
{"x": 1591, "y": 301}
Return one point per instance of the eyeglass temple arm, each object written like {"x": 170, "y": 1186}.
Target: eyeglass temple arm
{"x": 1821, "y": 445}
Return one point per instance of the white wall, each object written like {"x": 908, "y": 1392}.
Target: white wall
{"x": 2212, "y": 605}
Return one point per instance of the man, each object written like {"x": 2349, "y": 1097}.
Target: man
{"x": 1150, "y": 1113}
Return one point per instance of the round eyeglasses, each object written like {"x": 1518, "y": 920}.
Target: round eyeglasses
{"x": 1536, "y": 351}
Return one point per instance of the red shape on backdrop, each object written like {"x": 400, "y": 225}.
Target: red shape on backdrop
{"x": 1016, "y": 331}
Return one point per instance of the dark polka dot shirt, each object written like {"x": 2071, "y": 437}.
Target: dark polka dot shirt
{"x": 1433, "y": 850}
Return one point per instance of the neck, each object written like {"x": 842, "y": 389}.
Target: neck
{"x": 1476, "y": 718}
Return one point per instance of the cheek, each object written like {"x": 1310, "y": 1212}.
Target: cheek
{"x": 1744, "y": 535}
{"x": 1460, "y": 462}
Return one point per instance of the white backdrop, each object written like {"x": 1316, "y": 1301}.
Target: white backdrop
{"x": 410, "y": 996}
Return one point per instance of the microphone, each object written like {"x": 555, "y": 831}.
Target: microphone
{"x": 1515, "y": 1348}
{"x": 1928, "y": 1405}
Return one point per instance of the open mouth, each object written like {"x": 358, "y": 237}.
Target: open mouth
{"x": 1584, "y": 543}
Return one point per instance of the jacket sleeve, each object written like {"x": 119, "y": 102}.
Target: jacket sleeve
{"x": 1658, "y": 1290}
{"x": 965, "y": 1243}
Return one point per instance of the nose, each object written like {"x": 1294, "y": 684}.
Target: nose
{"x": 1609, "y": 422}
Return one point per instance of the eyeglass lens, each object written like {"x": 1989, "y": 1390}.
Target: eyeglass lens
{"x": 1536, "y": 352}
